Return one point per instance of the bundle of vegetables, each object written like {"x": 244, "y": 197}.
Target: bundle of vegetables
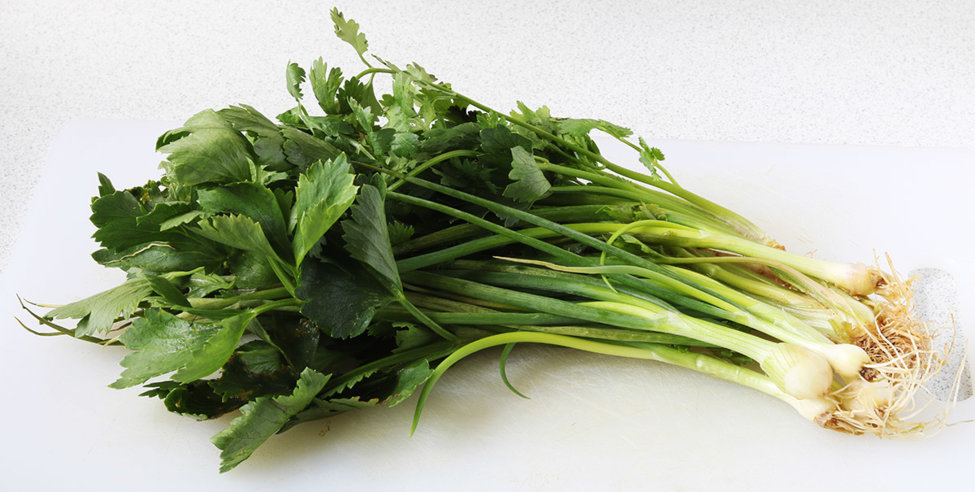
{"x": 340, "y": 259}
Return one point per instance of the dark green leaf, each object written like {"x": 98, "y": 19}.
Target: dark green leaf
{"x": 324, "y": 192}
{"x": 325, "y": 85}
{"x": 529, "y": 182}
{"x": 167, "y": 290}
{"x": 268, "y": 142}
{"x": 340, "y": 300}
{"x": 103, "y": 308}
{"x": 303, "y": 149}
{"x": 161, "y": 343}
{"x": 497, "y": 142}
{"x": 104, "y": 185}
{"x": 264, "y": 417}
{"x": 295, "y": 76}
{"x": 213, "y": 352}
{"x": 195, "y": 399}
{"x": 367, "y": 236}
{"x": 210, "y": 151}
{"x": 251, "y": 200}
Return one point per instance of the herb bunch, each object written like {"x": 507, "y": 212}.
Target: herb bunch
{"x": 350, "y": 250}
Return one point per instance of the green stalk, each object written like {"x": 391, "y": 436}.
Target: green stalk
{"x": 463, "y": 231}
{"x": 619, "y": 312}
{"x": 690, "y": 360}
{"x": 740, "y": 223}
{"x": 855, "y": 279}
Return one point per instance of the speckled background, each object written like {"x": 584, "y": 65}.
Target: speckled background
{"x": 885, "y": 73}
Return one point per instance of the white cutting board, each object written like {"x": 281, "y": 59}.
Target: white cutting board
{"x": 593, "y": 422}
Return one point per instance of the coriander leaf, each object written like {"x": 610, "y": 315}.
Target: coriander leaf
{"x": 167, "y": 290}
{"x": 178, "y": 254}
{"x": 530, "y": 184}
{"x": 650, "y": 156}
{"x": 264, "y": 417}
{"x": 295, "y": 336}
{"x": 202, "y": 284}
{"x": 405, "y": 144}
{"x": 411, "y": 335}
{"x": 251, "y": 270}
{"x": 399, "y": 232}
{"x": 363, "y": 115}
{"x": 367, "y": 236}
{"x": 381, "y": 140}
{"x": 178, "y": 220}
{"x": 348, "y": 31}
{"x": 116, "y": 217}
{"x": 439, "y": 140}
{"x": 207, "y": 357}
{"x": 101, "y": 310}
{"x": 210, "y": 151}
{"x": 252, "y": 200}
{"x": 407, "y": 380}
{"x": 238, "y": 231}
{"x": 324, "y": 192}
{"x": 267, "y": 140}
{"x": 341, "y": 301}
{"x": 363, "y": 94}
{"x": 582, "y": 127}
{"x": 196, "y": 399}
{"x": 325, "y": 85}
{"x": 497, "y": 142}
{"x": 161, "y": 343}
{"x": 303, "y": 149}
{"x": 104, "y": 185}
{"x": 295, "y": 76}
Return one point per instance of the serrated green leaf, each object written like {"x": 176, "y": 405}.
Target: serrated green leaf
{"x": 295, "y": 76}
{"x": 196, "y": 399}
{"x": 340, "y": 300}
{"x": 161, "y": 343}
{"x": 408, "y": 380}
{"x": 207, "y": 357}
{"x": 399, "y": 232}
{"x": 267, "y": 140}
{"x": 239, "y": 232}
{"x": 366, "y": 236}
{"x": 324, "y": 192}
{"x": 348, "y": 31}
{"x": 252, "y": 200}
{"x": 497, "y": 142}
{"x": 167, "y": 290}
{"x": 363, "y": 115}
{"x": 210, "y": 151}
{"x": 264, "y": 417}
{"x": 405, "y": 144}
{"x": 104, "y": 307}
{"x": 104, "y": 185}
{"x": 325, "y": 83}
{"x": 581, "y": 127}
{"x": 529, "y": 182}
{"x": 650, "y": 156}
{"x": 303, "y": 149}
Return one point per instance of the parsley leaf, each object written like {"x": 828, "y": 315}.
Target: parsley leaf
{"x": 264, "y": 417}
{"x": 324, "y": 192}
{"x": 530, "y": 184}
{"x": 348, "y": 31}
{"x": 98, "y": 312}
{"x": 210, "y": 151}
